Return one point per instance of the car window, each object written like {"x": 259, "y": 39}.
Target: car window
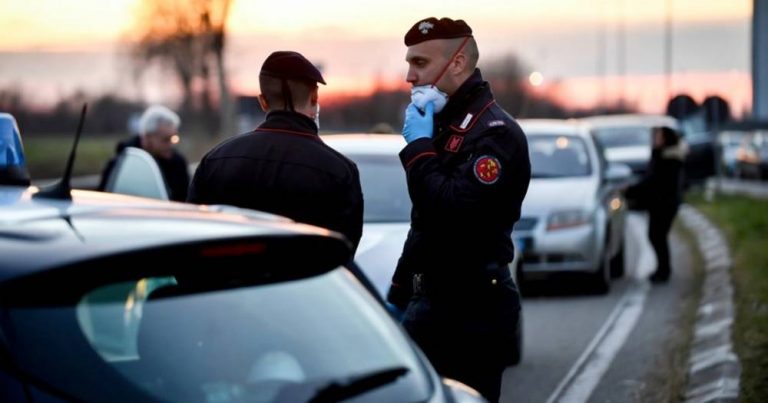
{"x": 175, "y": 342}
{"x": 385, "y": 190}
{"x": 613, "y": 137}
{"x": 555, "y": 156}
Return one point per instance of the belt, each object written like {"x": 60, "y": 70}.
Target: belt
{"x": 490, "y": 275}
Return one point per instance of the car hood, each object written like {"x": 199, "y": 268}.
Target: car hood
{"x": 548, "y": 194}
{"x": 378, "y": 252}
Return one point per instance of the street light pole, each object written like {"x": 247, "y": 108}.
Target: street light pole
{"x": 621, "y": 56}
{"x": 668, "y": 49}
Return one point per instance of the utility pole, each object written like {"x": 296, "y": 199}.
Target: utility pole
{"x": 668, "y": 50}
{"x": 602, "y": 44}
{"x": 621, "y": 51}
{"x": 760, "y": 60}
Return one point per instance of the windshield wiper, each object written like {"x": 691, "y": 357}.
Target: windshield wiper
{"x": 356, "y": 385}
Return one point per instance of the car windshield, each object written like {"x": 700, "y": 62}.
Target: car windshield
{"x": 153, "y": 338}
{"x": 614, "y": 137}
{"x": 384, "y": 188}
{"x": 555, "y": 156}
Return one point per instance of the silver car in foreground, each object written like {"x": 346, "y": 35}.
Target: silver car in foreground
{"x": 573, "y": 216}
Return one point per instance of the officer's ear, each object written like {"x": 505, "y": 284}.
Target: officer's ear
{"x": 263, "y": 103}
{"x": 314, "y": 96}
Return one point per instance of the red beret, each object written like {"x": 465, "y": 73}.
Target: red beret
{"x": 291, "y": 66}
{"x": 432, "y": 28}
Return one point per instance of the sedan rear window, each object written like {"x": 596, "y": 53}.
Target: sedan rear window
{"x": 624, "y": 137}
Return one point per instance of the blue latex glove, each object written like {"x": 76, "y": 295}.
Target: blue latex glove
{"x": 394, "y": 311}
{"x": 417, "y": 124}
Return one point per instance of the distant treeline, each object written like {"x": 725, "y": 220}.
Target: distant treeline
{"x": 110, "y": 113}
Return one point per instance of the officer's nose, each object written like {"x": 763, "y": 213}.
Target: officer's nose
{"x": 411, "y": 77}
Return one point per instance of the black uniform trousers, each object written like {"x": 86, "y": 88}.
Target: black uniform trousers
{"x": 466, "y": 329}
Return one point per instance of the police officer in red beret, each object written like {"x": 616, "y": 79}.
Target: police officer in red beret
{"x": 283, "y": 167}
{"x": 468, "y": 170}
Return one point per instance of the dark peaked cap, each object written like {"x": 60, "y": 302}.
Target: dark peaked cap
{"x": 291, "y": 66}
{"x": 432, "y": 28}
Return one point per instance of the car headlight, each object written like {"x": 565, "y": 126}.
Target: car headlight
{"x": 568, "y": 219}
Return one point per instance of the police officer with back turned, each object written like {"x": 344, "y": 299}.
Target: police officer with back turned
{"x": 468, "y": 170}
{"x": 283, "y": 167}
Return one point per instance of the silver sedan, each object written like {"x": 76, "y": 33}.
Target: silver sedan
{"x": 574, "y": 213}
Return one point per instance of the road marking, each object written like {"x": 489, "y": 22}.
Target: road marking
{"x": 585, "y": 374}
{"x": 583, "y": 377}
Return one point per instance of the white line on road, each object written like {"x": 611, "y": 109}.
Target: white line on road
{"x": 585, "y": 374}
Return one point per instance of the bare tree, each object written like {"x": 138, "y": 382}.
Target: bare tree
{"x": 188, "y": 37}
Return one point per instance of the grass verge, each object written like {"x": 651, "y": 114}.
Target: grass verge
{"x": 47, "y": 154}
{"x": 744, "y": 222}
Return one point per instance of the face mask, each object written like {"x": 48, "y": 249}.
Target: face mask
{"x": 423, "y": 94}
{"x": 317, "y": 115}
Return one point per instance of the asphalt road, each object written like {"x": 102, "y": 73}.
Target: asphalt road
{"x": 611, "y": 348}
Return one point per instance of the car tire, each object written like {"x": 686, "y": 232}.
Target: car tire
{"x": 600, "y": 281}
{"x": 617, "y": 262}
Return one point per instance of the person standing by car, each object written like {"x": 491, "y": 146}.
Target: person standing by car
{"x": 660, "y": 191}
{"x": 158, "y": 136}
{"x": 468, "y": 169}
{"x": 283, "y": 167}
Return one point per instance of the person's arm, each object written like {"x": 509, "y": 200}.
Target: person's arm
{"x": 499, "y": 162}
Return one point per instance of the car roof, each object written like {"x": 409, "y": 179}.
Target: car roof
{"x": 368, "y": 143}
{"x": 630, "y": 119}
{"x": 566, "y": 127}
{"x": 41, "y": 233}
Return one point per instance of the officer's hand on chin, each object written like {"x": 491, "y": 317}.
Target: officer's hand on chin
{"x": 418, "y": 124}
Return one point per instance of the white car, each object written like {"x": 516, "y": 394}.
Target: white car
{"x": 573, "y": 216}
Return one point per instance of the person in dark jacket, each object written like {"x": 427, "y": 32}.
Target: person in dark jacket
{"x": 467, "y": 169}
{"x": 158, "y": 135}
{"x": 660, "y": 191}
{"x": 283, "y": 167}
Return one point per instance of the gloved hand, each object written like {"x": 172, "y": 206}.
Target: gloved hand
{"x": 418, "y": 125}
{"x": 394, "y": 311}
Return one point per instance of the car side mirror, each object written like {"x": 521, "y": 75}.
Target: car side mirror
{"x": 136, "y": 173}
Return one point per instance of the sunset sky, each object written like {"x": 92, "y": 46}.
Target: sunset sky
{"x": 51, "y": 47}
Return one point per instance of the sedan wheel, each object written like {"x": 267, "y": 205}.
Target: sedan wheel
{"x": 617, "y": 262}
{"x": 600, "y": 281}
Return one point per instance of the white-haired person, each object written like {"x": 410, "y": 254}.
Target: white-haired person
{"x": 158, "y": 135}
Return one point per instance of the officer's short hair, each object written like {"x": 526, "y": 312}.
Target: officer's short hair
{"x": 470, "y": 50}
{"x": 156, "y": 115}
{"x": 272, "y": 90}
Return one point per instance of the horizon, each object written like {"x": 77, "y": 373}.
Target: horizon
{"x": 710, "y": 44}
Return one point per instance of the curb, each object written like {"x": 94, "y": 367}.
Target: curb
{"x": 714, "y": 370}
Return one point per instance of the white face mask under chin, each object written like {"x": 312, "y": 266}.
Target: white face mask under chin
{"x": 317, "y": 116}
{"x": 422, "y": 94}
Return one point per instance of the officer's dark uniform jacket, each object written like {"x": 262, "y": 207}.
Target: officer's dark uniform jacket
{"x": 175, "y": 170}
{"x": 283, "y": 167}
{"x": 467, "y": 185}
